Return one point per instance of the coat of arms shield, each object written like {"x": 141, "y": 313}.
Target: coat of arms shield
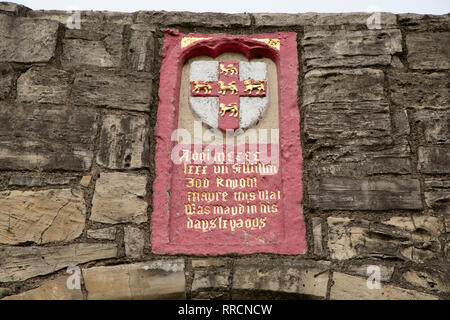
{"x": 229, "y": 95}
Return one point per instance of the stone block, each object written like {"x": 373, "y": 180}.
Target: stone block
{"x": 430, "y": 280}
{"x": 343, "y": 48}
{"x": 102, "y": 234}
{"x": 348, "y": 287}
{"x": 14, "y": 8}
{"x": 341, "y": 85}
{"x": 46, "y": 137}
{"x": 140, "y": 51}
{"x": 217, "y": 278}
{"x": 410, "y": 239}
{"x": 128, "y": 91}
{"x": 194, "y": 19}
{"x": 41, "y": 216}
{"x": 317, "y": 235}
{"x": 360, "y": 157}
{"x": 134, "y": 242}
{"x": 386, "y": 272}
{"x": 433, "y": 160}
{"x": 97, "y": 44}
{"x": 435, "y": 125}
{"x": 21, "y": 263}
{"x": 437, "y": 194}
{"x": 302, "y": 277}
{"x": 124, "y": 142}
{"x": 120, "y": 198}
{"x": 209, "y": 262}
{"x": 417, "y": 90}
{"x": 43, "y": 85}
{"x": 347, "y": 120}
{"x": 55, "y": 289}
{"x": 341, "y": 193}
{"x": 85, "y": 181}
{"x": 26, "y": 40}
{"x": 6, "y": 80}
{"x": 160, "y": 279}
{"x": 388, "y": 20}
{"x": 424, "y": 22}
{"x": 428, "y": 50}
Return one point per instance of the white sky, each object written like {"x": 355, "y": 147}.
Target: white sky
{"x": 235, "y": 6}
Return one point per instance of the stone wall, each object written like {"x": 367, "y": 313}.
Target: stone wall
{"x": 77, "y": 119}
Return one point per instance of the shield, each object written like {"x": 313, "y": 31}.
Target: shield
{"x": 229, "y": 95}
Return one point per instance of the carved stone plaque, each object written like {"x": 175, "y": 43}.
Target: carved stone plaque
{"x": 228, "y": 156}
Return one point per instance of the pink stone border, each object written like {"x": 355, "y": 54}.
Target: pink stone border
{"x": 290, "y": 150}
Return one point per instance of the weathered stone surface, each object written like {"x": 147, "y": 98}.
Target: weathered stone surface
{"x": 46, "y": 138}
{"x": 347, "y": 120}
{"x": 85, "y": 181}
{"x": 112, "y": 16}
{"x": 342, "y": 48}
{"x": 400, "y": 120}
{"x": 428, "y": 51}
{"x": 75, "y": 54}
{"x": 96, "y": 44}
{"x": 50, "y": 290}
{"x": 433, "y": 280}
{"x": 193, "y": 19}
{"x": 416, "y": 90}
{"x": 386, "y": 272}
{"x": 302, "y": 277}
{"x": 209, "y": 262}
{"x": 387, "y": 20}
{"x": 37, "y": 181}
{"x": 140, "y": 52}
{"x": 359, "y": 157}
{"x": 317, "y": 235}
{"x": 130, "y": 91}
{"x": 339, "y": 193}
{"x": 124, "y": 142}
{"x": 343, "y": 238}
{"x": 43, "y": 85}
{"x": 102, "y": 234}
{"x": 213, "y": 278}
{"x": 161, "y": 279}
{"x": 27, "y": 40}
{"x": 60, "y": 16}
{"x": 6, "y": 80}
{"x": 340, "y": 85}
{"x": 41, "y": 216}
{"x": 87, "y": 18}
{"x": 13, "y": 8}
{"x": 433, "y": 160}
{"x": 348, "y": 287}
{"x": 437, "y": 194}
{"x": 408, "y": 238}
{"x": 134, "y": 242}
{"x": 21, "y": 263}
{"x": 424, "y": 22}
{"x": 119, "y": 198}
{"x": 434, "y": 124}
